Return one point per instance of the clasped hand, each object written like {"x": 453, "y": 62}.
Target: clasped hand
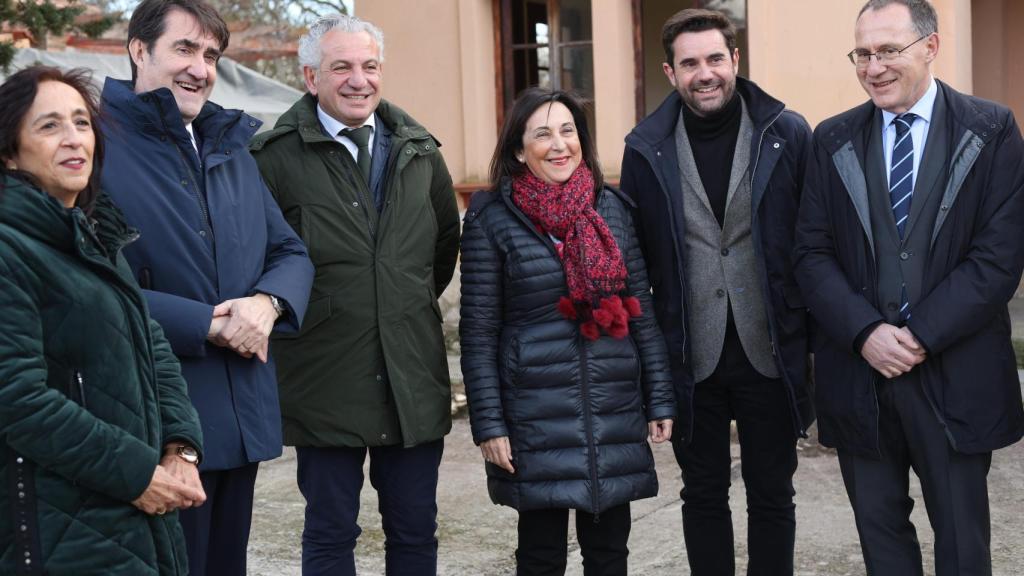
{"x": 175, "y": 484}
{"x": 244, "y": 325}
{"x": 892, "y": 351}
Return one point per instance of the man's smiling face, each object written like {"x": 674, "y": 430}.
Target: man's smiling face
{"x": 703, "y": 70}
{"x": 897, "y": 85}
{"x": 348, "y": 83}
{"x": 183, "y": 59}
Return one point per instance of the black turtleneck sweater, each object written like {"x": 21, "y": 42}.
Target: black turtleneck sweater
{"x": 713, "y": 140}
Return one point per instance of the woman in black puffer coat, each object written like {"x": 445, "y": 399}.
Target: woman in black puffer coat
{"x": 565, "y": 370}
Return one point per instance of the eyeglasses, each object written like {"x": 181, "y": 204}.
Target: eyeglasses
{"x": 861, "y": 58}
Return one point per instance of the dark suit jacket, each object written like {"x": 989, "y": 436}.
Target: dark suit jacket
{"x": 975, "y": 264}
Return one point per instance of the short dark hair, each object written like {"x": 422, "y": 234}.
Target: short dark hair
{"x": 922, "y": 13}
{"x": 505, "y": 164}
{"x": 18, "y": 94}
{"x": 150, "y": 17}
{"x": 696, "y": 20}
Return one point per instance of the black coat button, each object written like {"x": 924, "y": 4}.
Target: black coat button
{"x": 720, "y": 293}
{"x": 892, "y": 306}
{"x": 904, "y": 256}
{"x": 725, "y": 251}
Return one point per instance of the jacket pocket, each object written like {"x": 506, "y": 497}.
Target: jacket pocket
{"x": 642, "y": 399}
{"x": 76, "y": 388}
{"x": 509, "y": 361}
{"x": 636, "y": 360}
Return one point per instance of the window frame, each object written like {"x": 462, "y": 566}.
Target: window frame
{"x": 504, "y": 50}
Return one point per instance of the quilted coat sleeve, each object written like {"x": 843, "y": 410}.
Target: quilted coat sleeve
{"x": 480, "y": 330}
{"x": 659, "y": 394}
{"x": 178, "y": 418}
{"x": 288, "y": 272}
{"x": 48, "y": 428}
{"x": 446, "y": 211}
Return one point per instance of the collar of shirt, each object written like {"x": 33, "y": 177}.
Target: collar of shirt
{"x": 334, "y": 128}
{"x": 192, "y": 136}
{"x": 923, "y": 108}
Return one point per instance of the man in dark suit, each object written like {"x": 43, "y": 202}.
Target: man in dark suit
{"x": 909, "y": 244}
{"x": 716, "y": 172}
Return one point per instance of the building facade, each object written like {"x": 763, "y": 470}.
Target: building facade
{"x": 456, "y": 65}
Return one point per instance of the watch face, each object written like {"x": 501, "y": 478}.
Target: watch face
{"x": 188, "y": 454}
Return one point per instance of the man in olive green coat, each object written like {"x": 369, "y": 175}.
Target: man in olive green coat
{"x": 368, "y": 191}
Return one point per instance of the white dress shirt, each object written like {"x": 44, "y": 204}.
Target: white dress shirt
{"x": 918, "y": 130}
{"x": 334, "y": 128}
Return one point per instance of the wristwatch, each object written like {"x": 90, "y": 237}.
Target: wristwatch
{"x": 276, "y": 303}
{"x": 188, "y": 454}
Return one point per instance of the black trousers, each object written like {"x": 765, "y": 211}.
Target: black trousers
{"x": 543, "y": 542}
{"x": 954, "y": 486}
{"x": 217, "y": 533}
{"x": 761, "y": 408}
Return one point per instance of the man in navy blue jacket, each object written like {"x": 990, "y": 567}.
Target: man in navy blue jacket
{"x": 909, "y": 245}
{"x": 715, "y": 172}
{"x": 219, "y": 265}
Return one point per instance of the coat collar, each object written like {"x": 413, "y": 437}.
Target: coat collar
{"x": 761, "y": 107}
{"x": 302, "y": 119}
{"x": 853, "y": 124}
{"x": 36, "y": 214}
{"x": 157, "y": 112}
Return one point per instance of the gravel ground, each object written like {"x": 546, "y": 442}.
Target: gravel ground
{"x": 478, "y": 538}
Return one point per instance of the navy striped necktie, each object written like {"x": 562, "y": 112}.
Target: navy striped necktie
{"x": 901, "y": 174}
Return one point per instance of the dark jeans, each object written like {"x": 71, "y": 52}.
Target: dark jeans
{"x": 330, "y": 479}
{"x": 954, "y": 486}
{"x": 760, "y": 406}
{"x": 543, "y": 545}
{"x": 217, "y": 533}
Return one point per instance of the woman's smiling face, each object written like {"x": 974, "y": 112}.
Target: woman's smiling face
{"x": 56, "y": 142}
{"x": 551, "y": 144}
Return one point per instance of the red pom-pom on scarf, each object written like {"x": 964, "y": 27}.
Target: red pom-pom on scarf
{"x": 632, "y": 305}
{"x": 618, "y": 330}
{"x": 590, "y": 330}
{"x": 566, "y": 307}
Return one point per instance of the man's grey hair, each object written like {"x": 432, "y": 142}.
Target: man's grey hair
{"x": 922, "y": 13}
{"x": 309, "y": 45}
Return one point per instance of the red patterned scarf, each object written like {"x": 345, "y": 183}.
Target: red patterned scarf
{"x": 594, "y": 267}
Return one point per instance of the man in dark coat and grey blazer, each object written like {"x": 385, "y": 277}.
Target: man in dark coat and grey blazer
{"x": 910, "y": 242}
{"x": 715, "y": 174}
{"x": 218, "y": 264}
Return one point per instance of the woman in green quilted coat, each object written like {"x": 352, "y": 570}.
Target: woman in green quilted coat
{"x": 98, "y": 440}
